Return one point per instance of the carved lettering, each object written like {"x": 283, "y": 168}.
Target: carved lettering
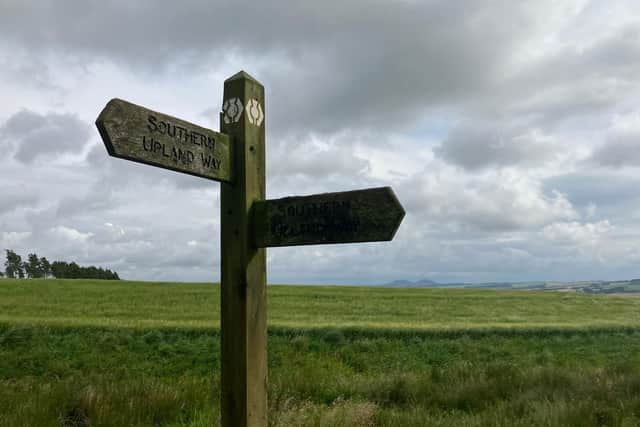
{"x": 152, "y": 126}
{"x": 147, "y": 144}
{"x": 210, "y": 162}
{"x": 314, "y": 218}
{"x": 179, "y": 133}
{"x": 314, "y": 209}
{"x": 184, "y": 156}
{"x": 282, "y": 229}
{"x": 175, "y": 153}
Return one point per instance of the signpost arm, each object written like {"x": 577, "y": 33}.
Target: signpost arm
{"x": 243, "y": 276}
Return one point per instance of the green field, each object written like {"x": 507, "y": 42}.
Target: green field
{"x": 94, "y": 353}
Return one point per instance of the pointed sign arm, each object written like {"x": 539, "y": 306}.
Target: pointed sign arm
{"x": 370, "y": 215}
{"x": 136, "y": 133}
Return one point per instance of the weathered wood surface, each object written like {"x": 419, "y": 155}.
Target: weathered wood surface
{"x": 244, "y": 272}
{"x": 136, "y": 133}
{"x": 346, "y": 217}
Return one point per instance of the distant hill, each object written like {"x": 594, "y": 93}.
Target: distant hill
{"x": 587, "y": 287}
{"x": 423, "y": 283}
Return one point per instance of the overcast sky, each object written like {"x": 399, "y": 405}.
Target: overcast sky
{"x": 509, "y": 130}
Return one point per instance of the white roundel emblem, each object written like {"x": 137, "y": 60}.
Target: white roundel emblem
{"x": 232, "y": 110}
{"x": 254, "y": 112}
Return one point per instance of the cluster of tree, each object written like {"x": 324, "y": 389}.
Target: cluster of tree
{"x": 65, "y": 270}
{"x": 35, "y": 267}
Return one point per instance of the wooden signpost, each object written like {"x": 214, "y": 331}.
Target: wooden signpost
{"x": 249, "y": 223}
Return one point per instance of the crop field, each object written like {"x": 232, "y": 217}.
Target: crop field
{"x": 105, "y": 353}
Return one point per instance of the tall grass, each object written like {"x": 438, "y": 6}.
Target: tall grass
{"x": 111, "y": 360}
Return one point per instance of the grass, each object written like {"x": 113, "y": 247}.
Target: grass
{"x": 83, "y": 353}
{"x": 197, "y": 306}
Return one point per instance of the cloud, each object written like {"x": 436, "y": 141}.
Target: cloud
{"x": 499, "y": 201}
{"x": 317, "y": 157}
{"x": 576, "y": 233}
{"x": 33, "y": 135}
{"x": 620, "y": 150}
{"x": 10, "y": 200}
{"x": 601, "y": 188}
{"x": 9, "y": 239}
{"x": 621, "y": 145}
{"x": 576, "y": 78}
{"x": 71, "y": 234}
{"x": 478, "y": 147}
{"x": 329, "y": 65}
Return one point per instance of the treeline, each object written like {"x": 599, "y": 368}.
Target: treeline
{"x": 35, "y": 267}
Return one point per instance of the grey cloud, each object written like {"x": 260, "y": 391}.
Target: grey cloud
{"x": 477, "y": 147}
{"x": 190, "y": 182}
{"x": 35, "y": 135}
{"x": 20, "y": 66}
{"x": 332, "y": 65}
{"x": 422, "y": 250}
{"x": 10, "y": 200}
{"x": 304, "y": 157}
{"x": 118, "y": 172}
{"x": 327, "y": 65}
{"x": 431, "y": 251}
{"x": 394, "y": 67}
{"x": 95, "y": 201}
{"x": 97, "y": 156}
{"x": 494, "y": 203}
{"x": 619, "y": 54}
{"x": 576, "y": 80}
{"x": 603, "y": 189}
{"x": 109, "y": 233}
{"x": 621, "y": 149}
{"x": 199, "y": 26}
{"x": 135, "y": 251}
{"x": 551, "y": 105}
{"x": 169, "y": 255}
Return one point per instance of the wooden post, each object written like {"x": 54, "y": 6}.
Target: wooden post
{"x": 236, "y": 157}
{"x": 243, "y": 287}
